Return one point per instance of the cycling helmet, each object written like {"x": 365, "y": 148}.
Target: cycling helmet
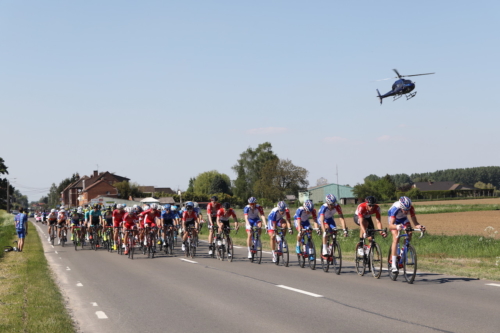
{"x": 370, "y": 200}
{"x": 405, "y": 203}
{"x": 174, "y": 208}
{"x": 308, "y": 205}
{"x": 226, "y": 205}
{"x": 330, "y": 199}
{"x": 138, "y": 209}
{"x": 189, "y": 205}
{"x": 252, "y": 200}
{"x": 62, "y": 207}
{"x": 214, "y": 198}
{"x": 79, "y": 210}
{"x": 52, "y": 210}
{"x": 167, "y": 206}
{"x": 154, "y": 206}
{"x": 145, "y": 207}
{"x": 196, "y": 205}
{"x": 135, "y": 206}
{"x": 281, "y": 205}
{"x": 124, "y": 205}
{"x": 119, "y": 206}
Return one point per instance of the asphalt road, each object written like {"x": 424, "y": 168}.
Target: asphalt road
{"x": 109, "y": 293}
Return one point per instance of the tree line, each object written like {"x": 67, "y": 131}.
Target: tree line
{"x": 17, "y": 199}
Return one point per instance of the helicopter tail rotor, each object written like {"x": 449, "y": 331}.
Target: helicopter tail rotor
{"x": 379, "y": 96}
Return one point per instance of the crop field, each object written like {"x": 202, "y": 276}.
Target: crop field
{"x": 492, "y": 201}
{"x": 464, "y": 223}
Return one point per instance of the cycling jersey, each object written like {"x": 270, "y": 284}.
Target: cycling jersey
{"x": 189, "y": 217}
{"x": 212, "y": 209}
{"x": 150, "y": 216}
{"x": 224, "y": 215}
{"x": 253, "y": 215}
{"x": 75, "y": 219}
{"x": 302, "y": 216}
{"x": 94, "y": 216}
{"x": 365, "y": 211}
{"x": 129, "y": 220}
{"x": 168, "y": 215}
{"x": 118, "y": 215}
{"x": 275, "y": 216}
{"x": 61, "y": 216}
{"x": 328, "y": 214}
{"x": 396, "y": 212}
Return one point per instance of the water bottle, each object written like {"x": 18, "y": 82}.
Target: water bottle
{"x": 367, "y": 249}
{"x": 278, "y": 238}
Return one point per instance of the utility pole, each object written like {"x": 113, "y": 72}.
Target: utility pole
{"x": 338, "y": 191}
{"x": 8, "y": 199}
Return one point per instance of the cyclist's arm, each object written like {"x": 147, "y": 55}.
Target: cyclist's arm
{"x": 416, "y": 224}
{"x": 321, "y": 222}
{"x": 392, "y": 225}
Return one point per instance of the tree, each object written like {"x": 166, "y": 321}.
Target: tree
{"x": 203, "y": 182}
{"x": 3, "y": 167}
{"x": 386, "y": 188}
{"x": 219, "y": 185}
{"x": 191, "y": 184}
{"x": 127, "y": 189}
{"x": 54, "y": 197}
{"x": 249, "y": 168}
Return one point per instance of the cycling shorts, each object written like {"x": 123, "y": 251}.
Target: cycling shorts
{"x": 152, "y": 225}
{"x": 168, "y": 222}
{"x": 368, "y": 219}
{"x": 61, "y": 224}
{"x": 190, "y": 224}
{"x": 130, "y": 225}
{"x": 75, "y": 223}
{"x": 52, "y": 222}
{"x": 305, "y": 224}
{"x": 330, "y": 222}
{"x": 252, "y": 223}
{"x": 396, "y": 222}
{"x": 271, "y": 225}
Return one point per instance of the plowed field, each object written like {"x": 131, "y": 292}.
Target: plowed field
{"x": 492, "y": 201}
{"x": 466, "y": 223}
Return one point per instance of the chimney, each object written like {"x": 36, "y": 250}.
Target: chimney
{"x": 96, "y": 173}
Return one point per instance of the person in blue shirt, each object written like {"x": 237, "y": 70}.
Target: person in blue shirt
{"x": 21, "y": 220}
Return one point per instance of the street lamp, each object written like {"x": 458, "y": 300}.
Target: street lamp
{"x": 180, "y": 196}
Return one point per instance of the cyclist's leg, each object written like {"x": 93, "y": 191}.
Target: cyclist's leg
{"x": 272, "y": 234}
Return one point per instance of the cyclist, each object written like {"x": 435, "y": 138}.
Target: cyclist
{"x": 75, "y": 223}
{"x": 363, "y": 218}
{"x": 52, "y": 217}
{"x": 326, "y": 221}
{"x": 168, "y": 217}
{"x": 398, "y": 220}
{"x": 95, "y": 216}
{"x": 61, "y": 222}
{"x": 254, "y": 215}
{"x": 223, "y": 216}
{"x": 117, "y": 218}
{"x": 189, "y": 219}
{"x": 150, "y": 216}
{"x": 279, "y": 216}
{"x": 129, "y": 225}
{"x": 44, "y": 216}
{"x": 212, "y": 209}
{"x": 301, "y": 220}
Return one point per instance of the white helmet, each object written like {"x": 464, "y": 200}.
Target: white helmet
{"x": 119, "y": 206}
{"x": 52, "y": 210}
{"x": 128, "y": 209}
{"x": 61, "y": 208}
{"x": 154, "y": 206}
{"x": 145, "y": 207}
{"x": 196, "y": 205}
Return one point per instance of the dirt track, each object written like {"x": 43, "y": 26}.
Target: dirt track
{"x": 468, "y": 223}
{"x": 492, "y": 201}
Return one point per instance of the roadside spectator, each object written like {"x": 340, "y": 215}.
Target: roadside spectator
{"x": 21, "y": 220}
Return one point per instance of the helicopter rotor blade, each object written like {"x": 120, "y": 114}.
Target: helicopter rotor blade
{"x": 389, "y": 78}
{"x": 397, "y": 73}
{"x": 417, "y": 74}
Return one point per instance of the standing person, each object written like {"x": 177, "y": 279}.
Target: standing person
{"x": 212, "y": 209}
{"x": 398, "y": 220}
{"x": 21, "y": 220}
{"x": 279, "y": 217}
{"x": 254, "y": 215}
{"x": 363, "y": 218}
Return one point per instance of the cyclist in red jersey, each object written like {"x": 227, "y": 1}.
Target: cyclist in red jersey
{"x": 189, "y": 219}
{"x": 212, "y": 209}
{"x": 363, "y": 218}
{"x": 129, "y": 224}
{"x": 118, "y": 215}
{"x": 150, "y": 215}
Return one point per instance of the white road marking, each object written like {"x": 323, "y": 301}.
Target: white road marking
{"x": 299, "y": 291}
{"x": 52, "y": 246}
{"x": 238, "y": 247}
{"x": 101, "y": 315}
{"x": 193, "y": 262}
{"x": 93, "y": 303}
{"x": 493, "y": 284}
{"x": 67, "y": 268}
{"x": 60, "y": 258}
{"x": 79, "y": 284}
{"x": 56, "y": 252}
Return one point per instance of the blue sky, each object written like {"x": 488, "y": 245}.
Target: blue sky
{"x": 160, "y": 91}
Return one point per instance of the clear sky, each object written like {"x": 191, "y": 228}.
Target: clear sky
{"x": 160, "y": 91}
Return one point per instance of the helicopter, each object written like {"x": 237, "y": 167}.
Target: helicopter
{"x": 400, "y": 87}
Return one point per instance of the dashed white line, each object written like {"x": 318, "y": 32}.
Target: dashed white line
{"x": 52, "y": 246}
{"x": 299, "y": 291}
{"x": 56, "y": 252}
{"x": 60, "y": 258}
{"x": 238, "y": 247}
{"x": 93, "y": 303}
{"x": 79, "y": 284}
{"x": 493, "y": 284}
{"x": 101, "y": 315}
{"x": 190, "y": 261}
{"x": 68, "y": 269}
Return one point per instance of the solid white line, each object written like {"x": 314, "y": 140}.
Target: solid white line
{"x": 79, "y": 284}
{"x": 193, "y": 262}
{"x": 238, "y": 247}
{"x": 93, "y": 303}
{"x": 493, "y": 284}
{"x": 101, "y": 315}
{"x": 299, "y": 291}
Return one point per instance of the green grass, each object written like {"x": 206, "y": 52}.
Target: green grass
{"x": 29, "y": 299}
{"x": 463, "y": 255}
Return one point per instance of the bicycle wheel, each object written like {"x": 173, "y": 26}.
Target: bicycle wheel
{"x": 229, "y": 249}
{"x": 392, "y": 275}
{"x": 285, "y": 255}
{"x": 53, "y": 235}
{"x": 336, "y": 258}
{"x": 258, "y": 253}
{"x": 410, "y": 264}
{"x": 312, "y": 255}
{"x": 192, "y": 248}
{"x": 360, "y": 260}
{"x": 171, "y": 243}
{"x": 325, "y": 259}
{"x": 376, "y": 260}
{"x": 75, "y": 240}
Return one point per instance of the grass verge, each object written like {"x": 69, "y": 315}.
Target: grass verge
{"x": 462, "y": 255}
{"x": 30, "y": 301}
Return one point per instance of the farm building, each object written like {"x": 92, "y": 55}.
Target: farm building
{"x": 318, "y": 193}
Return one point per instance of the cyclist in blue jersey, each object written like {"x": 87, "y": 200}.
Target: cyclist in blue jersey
{"x": 398, "y": 220}
{"x": 301, "y": 220}
{"x": 254, "y": 216}
{"x": 278, "y": 217}
{"x": 326, "y": 221}
{"x": 168, "y": 220}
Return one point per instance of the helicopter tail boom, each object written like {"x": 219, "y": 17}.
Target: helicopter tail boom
{"x": 379, "y": 96}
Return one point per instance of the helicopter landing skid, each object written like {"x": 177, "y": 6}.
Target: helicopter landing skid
{"x": 408, "y": 96}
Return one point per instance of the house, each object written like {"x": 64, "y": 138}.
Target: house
{"x": 152, "y": 190}
{"x": 454, "y": 188}
{"x": 317, "y": 194}
{"x": 77, "y": 194}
